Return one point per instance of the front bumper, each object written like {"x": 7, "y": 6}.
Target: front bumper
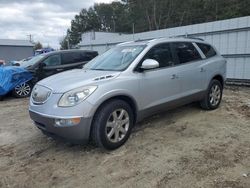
{"x": 76, "y": 134}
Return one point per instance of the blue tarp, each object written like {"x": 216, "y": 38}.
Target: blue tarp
{"x": 11, "y": 76}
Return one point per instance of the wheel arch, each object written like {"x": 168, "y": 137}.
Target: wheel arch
{"x": 219, "y": 78}
{"x": 128, "y": 99}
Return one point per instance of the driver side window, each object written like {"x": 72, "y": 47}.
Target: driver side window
{"x": 162, "y": 54}
{"x": 53, "y": 60}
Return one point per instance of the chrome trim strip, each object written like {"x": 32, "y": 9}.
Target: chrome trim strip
{"x": 54, "y": 116}
{"x": 40, "y": 103}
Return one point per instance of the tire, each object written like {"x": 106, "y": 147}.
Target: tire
{"x": 22, "y": 90}
{"x": 213, "y": 96}
{"x": 112, "y": 125}
{"x": 1, "y": 98}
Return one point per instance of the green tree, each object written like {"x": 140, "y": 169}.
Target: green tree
{"x": 121, "y": 16}
{"x": 64, "y": 44}
{"x": 38, "y": 45}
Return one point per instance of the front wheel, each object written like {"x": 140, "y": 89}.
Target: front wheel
{"x": 213, "y": 96}
{"x": 112, "y": 124}
{"x": 23, "y": 90}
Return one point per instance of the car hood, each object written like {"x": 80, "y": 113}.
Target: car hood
{"x": 68, "y": 80}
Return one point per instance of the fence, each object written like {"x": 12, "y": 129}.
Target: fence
{"x": 231, "y": 37}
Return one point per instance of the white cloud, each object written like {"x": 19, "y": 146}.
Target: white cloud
{"x": 46, "y": 20}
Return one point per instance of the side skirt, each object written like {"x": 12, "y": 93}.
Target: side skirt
{"x": 170, "y": 105}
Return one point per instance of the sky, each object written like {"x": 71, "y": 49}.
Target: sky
{"x": 46, "y": 20}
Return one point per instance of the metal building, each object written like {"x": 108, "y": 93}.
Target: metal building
{"x": 231, "y": 37}
{"x": 11, "y": 49}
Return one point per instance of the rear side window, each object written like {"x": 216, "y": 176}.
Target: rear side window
{"x": 89, "y": 55}
{"x": 93, "y": 54}
{"x": 186, "y": 52}
{"x": 75, "y": 57}
{"x": 162, "y": 54}
{"x": 207, "y": 50}
{"x": 69, "y": 58}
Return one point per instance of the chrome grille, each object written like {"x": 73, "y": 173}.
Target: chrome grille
{"x": 40, "y": 94}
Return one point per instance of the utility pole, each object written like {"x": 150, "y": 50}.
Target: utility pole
{"x": 30, "y": 36}
{"x": 113, "y": 19}
{"x": 114, "y": 25}
{"x": 133, "y": 28}
{"x": 68, "y": 42}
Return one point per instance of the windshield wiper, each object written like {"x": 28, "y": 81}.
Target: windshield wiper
{"x": 105, "y": 70}
{"x": 99, "y": 69}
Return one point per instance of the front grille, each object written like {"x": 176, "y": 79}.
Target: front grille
{"x": 40, "y": 94}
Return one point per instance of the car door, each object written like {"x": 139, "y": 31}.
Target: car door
{"x": 51, "y": 65}
{"x": 159, "y": 86}
{"x": 191, "y": 72}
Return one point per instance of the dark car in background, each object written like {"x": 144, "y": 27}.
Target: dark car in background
{"x": 44, "y": 65}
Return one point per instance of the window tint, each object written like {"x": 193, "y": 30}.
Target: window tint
{"x": 75, "y": 57}
{"x": 88, "y": 56}
{"x": 93, "y": 54}
{"x": 68, "y": 58}
{"x": 186, "y": 52}
{"x": 52, "y": 60}
{"x": 162, "y": 54}
{"x": 207, "y": 50}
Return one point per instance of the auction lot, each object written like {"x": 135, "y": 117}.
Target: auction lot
{"x": 185, "y": 147}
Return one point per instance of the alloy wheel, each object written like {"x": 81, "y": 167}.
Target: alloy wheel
{"x": 117, "y": 125}
{"x": 215, "y": 95}
{"x": 23, "y": 90}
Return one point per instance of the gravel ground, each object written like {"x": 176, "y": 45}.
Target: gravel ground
{"x": 185, "y": 147}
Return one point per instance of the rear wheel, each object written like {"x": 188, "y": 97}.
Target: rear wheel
{"x": 22, "y": 90}
{"x": 112, "y": 124}
{"x": 213, "y": 96}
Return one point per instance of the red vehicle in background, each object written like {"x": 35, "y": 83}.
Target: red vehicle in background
{"x": 2, "y": 62}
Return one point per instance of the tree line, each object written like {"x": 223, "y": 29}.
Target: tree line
{"x": 128, "y": 16}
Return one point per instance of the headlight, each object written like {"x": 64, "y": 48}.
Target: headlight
{"x": 76, "y": 96}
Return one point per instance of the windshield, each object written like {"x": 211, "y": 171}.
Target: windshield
{"x": 116, "y": 59}
{"x": 31, "y": 62}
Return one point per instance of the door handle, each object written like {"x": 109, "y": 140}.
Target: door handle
{"x": 203, "y": 70}
{"x": 59, "y": 69}
{"x": 174, "y": 76}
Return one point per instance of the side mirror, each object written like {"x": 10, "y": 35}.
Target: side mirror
{"x": 16, "y": 64}
{"x": 42, "y": 65}
{"x": 149, "y": 64}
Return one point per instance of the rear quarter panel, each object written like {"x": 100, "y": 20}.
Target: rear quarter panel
{"x": 215, "y": 66}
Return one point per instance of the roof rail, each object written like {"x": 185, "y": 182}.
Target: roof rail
{"x": 138, "y": 40}
{"x": 187, "y": 37}
{"x": 124, "y": 43}
{"x": 141, "y": 40}
{"x": 155, "y": 39}
{"x": 197, "y": 38}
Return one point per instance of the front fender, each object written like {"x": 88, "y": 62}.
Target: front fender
{"x": 109, "y": 95}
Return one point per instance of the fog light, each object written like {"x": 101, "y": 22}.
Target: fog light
{"x": 67, "y": 122}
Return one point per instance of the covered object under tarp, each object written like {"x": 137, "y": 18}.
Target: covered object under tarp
{"x": 11, "y": 76}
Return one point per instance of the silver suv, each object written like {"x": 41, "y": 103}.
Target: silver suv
{"x": 103, "y": 101}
